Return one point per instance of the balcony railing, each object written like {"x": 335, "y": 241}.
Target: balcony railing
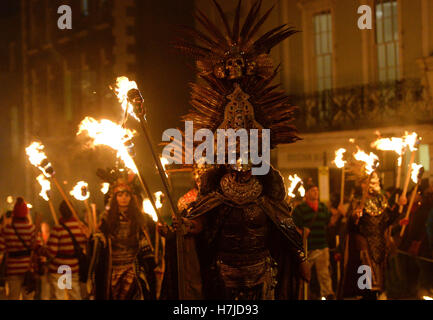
{"x": 367, "y": 106}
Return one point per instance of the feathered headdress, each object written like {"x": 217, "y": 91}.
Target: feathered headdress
{"x": 235, "y": 90}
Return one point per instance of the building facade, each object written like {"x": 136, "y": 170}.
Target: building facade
{"x": 350, "y": 83}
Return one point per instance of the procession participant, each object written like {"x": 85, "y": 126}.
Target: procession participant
{"x": 125, "y": 264}
{"x": 19, "y": 242}
{"x": 66, "y": 243}
{"x": 313, "y": 217}
{"x": 414, "y": 246}
{"x": 250, "y": 248}
{"x": 369, "y": 216}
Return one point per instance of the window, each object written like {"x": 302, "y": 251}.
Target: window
{"x": 323, "y": 49}
{"x": 387, "y": 40}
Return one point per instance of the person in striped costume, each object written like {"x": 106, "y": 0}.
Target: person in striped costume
{"x": 61, "y": 252}
{"x": 18, "y": 241}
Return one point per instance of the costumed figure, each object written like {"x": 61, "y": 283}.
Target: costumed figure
{"x": 122, "y": 264}
{"x": 247, "y": 244}
{"x": 369, "y": 215}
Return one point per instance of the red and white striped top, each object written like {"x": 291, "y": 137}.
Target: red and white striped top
{"x": 10, "y": 243}
{"x": 60, "y": 243}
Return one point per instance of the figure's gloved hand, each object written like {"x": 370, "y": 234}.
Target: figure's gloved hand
{"x": 305, "y": 271}
{"x": 162, "y": 229}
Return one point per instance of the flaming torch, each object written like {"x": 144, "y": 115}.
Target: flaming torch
{"x": 46, "y": 188}
{"x": 412, "y": 141}
{"x": 81, "y": 193}
{"x": 340, "y": 163}
{"x": 416, "y": 176}
{"x": 397, "y": 145}
{"x": 148, "y": 209}
{"x": 127, "y": 91}
{"x": 38, "y": 159}
{"x": 294, "y": 182}
{"x": 371, "y": 162}
{"x": 110, "y": 134}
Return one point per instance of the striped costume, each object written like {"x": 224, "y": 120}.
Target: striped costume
{"x": 61, "y": 248}
{"x": 18, "y": 256}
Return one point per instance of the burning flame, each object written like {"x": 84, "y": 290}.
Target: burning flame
{"x": 371, "y": 160}
{"x": 148, "y": 209}
{"x": 427, "y": 298}
{"x": 301, "y": 191}
{"x": 390, "y": 144}
{"x": 294, "y": 180}
{"x": 415, "y": 172}
{"x": 37, "y": 156}
{"x": 339, "y": 162}
{"x": 106, "y": 132}
{"x": 10, "y": 199}
{"x": 45, "y": 185}
{"x": 158, "y": 201}
{"x": 105, "y": 187}
{"x": 123, "y": 85}
{"x": 80, "y": 191}
{"x": 29, "y": 205}
{"x": 411, "y": 140}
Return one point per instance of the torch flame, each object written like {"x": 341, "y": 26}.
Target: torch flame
{"x": 77, "y": 191}
{"x": 37, "y": 156}
{"x": 45, "y": 185}
{"x": 390, "y": 144}
{"x": 148, "y": 209}
{"x": 294, "y": 180}
{"x": 415, "y": 172}
{"x": 371, "y": 160}
{"x": 411, "y": 140}
{"x": 301, "y": 190}
{"x": 123, "y": 85}
{"x": 427, "y": 298}
{"x": 339, "y": 162}
{"x": 105, "y": 187}
{"x": 106, "y": 132}
{"x": 158, "y": 201}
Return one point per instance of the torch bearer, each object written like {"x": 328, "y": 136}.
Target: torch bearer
{"x": 134, "y": 98}
{"x": 412, "y": 142}
{"x": 339, "y": 162}
{"x": 38, "y": 158}
{"x": 46, "y": 188}
{"x": 417, "y": 172}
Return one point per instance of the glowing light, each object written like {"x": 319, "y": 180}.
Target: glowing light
{"x": 294, "y": 180}
{"x": 105, "y": 187}
{"x": 323, "y": 298}
{"x": 427, "y": 298}
{"x": 29, "y": 205}
{"x": 158, "y": 199}
{"x": 110, "y": 134}
{"x": 37, "y": 157}
{"x": 10, "y": 199}
{"x": 415, "y": 172}
{"x": 80, "y": 191}
{"x": 411, "y": 140}
{"x": 301, "y": 191}
{"x": 123, "y": 85}
{"x": 45, "y": 186}
{"x": 148, "y": 209}
{"x": 164, "y": 163}
{"x": 390, "y": 144}
{"x": 351, "y": 140}
{"x": 339, "y": 162}
{"x": 371, "y": 160}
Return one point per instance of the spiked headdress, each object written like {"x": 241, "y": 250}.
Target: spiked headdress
{"x": 236, "y": 73}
